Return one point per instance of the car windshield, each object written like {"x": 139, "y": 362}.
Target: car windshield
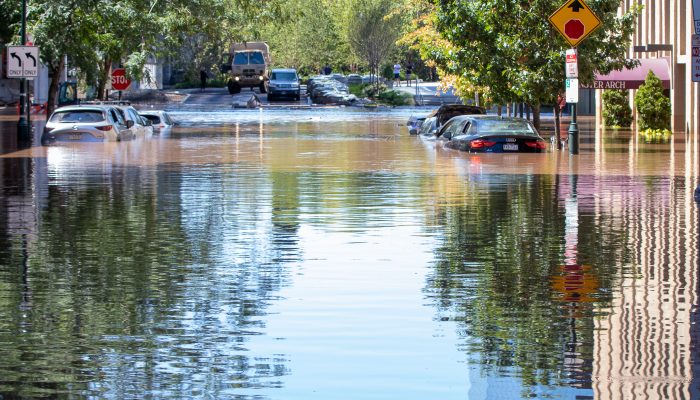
{"x": 499, "y": 127}
{"x": 256, "y": 57}
{"x": 284, "y": 76}
{"x": 78, "y": 116}
{"x": 240, "y": 58}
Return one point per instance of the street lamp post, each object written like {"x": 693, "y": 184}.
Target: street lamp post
{"x": 23, "y": 123}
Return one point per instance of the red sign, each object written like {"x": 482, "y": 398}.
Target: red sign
{"x": 119, "y": 79}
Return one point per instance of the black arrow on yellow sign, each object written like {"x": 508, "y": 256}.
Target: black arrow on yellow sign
{"x": 576, "y": 6}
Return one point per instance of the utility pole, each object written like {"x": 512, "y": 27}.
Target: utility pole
{"x": 23, "y": 123}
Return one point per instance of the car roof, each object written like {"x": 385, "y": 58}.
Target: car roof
{"x": 82, "y": 107}
{"x": 284, "y": 70}
{"x": 151, "y": 112}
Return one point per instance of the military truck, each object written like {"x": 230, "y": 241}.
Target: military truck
{"x": 248, "y": 64}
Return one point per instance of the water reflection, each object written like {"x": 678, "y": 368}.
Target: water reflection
{"x": 330, "y": 255}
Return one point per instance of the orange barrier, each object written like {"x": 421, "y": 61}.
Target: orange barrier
{"x": 35, "y": 108}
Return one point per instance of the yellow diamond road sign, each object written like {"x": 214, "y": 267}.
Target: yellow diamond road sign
{"x": 575, "y": 21}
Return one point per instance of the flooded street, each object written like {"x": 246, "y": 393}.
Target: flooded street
{"x": 327, "y": 254}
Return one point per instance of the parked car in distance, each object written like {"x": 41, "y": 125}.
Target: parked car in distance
{"x": 428, "y": 128}
{"x": 491, "y": 134}
{"x": 162, "y": 123}
{"x": 445, "y": 112}
{"x": 414, "y": 123}
{"x": 139, "y": 127}
{"x": 284, "y": 82}
{"x": 86, "y": 123}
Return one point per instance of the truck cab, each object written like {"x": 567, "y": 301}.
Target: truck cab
{"x": 248, "y": 64}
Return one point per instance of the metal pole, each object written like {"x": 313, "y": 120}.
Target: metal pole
{"x": 23, "y": 123}
{"x": 573, "y": 131}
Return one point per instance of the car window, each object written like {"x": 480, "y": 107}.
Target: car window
{"x": 154, "y": 118}
{"x": 427, "y": 126}
{"x": 78, "y": 116}
{"x": 167, "y": 119}
{"x": 497, "y": 127}
{"x": 117, "y": 116}
{"x": 133, "y": 115}
{"x": 284, "y": 76}
{"x": 240, "y": 59}
{"x": 256, "y": 57}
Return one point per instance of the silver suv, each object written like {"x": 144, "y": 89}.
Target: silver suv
{"x": 284, "y": 82}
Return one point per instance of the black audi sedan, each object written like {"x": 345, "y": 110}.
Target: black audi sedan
{"x": 491, "y": 134}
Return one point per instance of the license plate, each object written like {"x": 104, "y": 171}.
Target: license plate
{"x": 510, "y": 147}
{"x": 75, "y": 136}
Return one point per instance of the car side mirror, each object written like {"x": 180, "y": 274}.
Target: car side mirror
{"x": 129, "y": 123}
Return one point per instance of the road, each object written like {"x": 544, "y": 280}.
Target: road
{"x": 220, "y": 97}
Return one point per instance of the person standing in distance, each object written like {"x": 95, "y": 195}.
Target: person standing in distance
{"x": 203, "y": 79}
{"x": 397, "y": 74}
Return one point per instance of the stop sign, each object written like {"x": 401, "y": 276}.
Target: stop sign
{"x": 574, "y": 29}
{"x": 119, "y": 79}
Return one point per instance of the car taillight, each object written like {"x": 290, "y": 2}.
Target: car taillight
{"x": 536, "y": 144}
{"x": 104, "y": 128}
{"x": 481, "y": 143}
{"x": 47, "y": 129}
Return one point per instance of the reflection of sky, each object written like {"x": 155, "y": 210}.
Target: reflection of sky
{"x": 355, "y": 325}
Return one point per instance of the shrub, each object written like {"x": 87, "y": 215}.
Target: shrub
{"x": 395, "y": 98}
{"x": 653, "y": 107}
{"x": 616, "y": 108}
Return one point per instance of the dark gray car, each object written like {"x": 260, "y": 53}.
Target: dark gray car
{"x": 284, "y": 82}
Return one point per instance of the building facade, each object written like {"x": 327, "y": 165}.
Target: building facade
{"x": 664, "y": 30}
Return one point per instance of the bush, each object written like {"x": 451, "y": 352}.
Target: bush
{"x": 395, "y": 98}
{"x": 616, "y": 108}
{"x": 653, "y": 107}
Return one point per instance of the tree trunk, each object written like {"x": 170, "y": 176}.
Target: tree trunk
{"x": 102, "y": 79}
{"x": 557, "y": 128}
{"x": 55, "y": 72}
{"x": 536, "y": 115}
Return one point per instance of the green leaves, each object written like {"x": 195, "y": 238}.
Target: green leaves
{"x": 653, "y": 106}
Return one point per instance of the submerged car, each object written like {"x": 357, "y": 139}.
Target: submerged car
{"x": 91, "y": 123}
{"x": 491, "y": 134}
{"x": 284, "y": 82}
{"x": 160, "y": 120}
{"x": 445, "y": 112}
{"x": 414, "y": 123}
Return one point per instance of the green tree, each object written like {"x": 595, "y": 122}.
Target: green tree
{"x": 508, "y": 50}
{"x": 374, "y": 31}
{"x": 653, "y": 107}
{"x": 616, "y": 108}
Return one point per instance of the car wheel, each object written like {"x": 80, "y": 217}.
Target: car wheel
{"x": 270, "y": 97}
{"x": 231, "y": 87}
{"x": 263, "y": 89}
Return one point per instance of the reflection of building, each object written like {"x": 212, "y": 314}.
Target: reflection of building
{"x": 643, "y": 348}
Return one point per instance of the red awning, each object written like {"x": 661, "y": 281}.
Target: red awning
{"x": 634, "y": 78}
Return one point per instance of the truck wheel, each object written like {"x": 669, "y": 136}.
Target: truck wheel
{"x": 233, "y": 87}
{"x": 262, "y": 88}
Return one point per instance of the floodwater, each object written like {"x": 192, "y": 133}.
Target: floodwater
{"x": 327, "y": 254}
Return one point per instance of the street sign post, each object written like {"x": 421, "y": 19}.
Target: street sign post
{"x": 575, "y": 21}
{"x": 572, "y": 91}
{"x": 22, "y": 61}
{"x": 571, "y": 64}
{"x": 695, "y": 57}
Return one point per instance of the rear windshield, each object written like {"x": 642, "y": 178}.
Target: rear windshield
{"x": 284, "y": 76}
{"x": 497, "y": 127}
{"x": 152, "y": 118}
{"x": 78, "y": 116}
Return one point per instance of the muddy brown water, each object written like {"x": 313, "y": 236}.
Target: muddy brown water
{"x": 327, "y": 254}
